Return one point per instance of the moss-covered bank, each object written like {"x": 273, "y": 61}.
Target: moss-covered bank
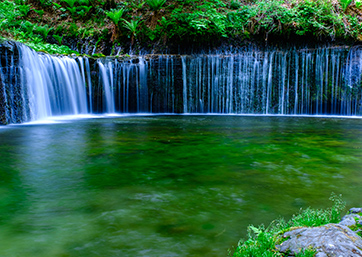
{"x": 113, "y": 27}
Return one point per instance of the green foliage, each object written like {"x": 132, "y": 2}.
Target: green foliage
{"x": 84, "y": 2}
{"x": 314, "y": 218}
{"x": 310, "y": 18}
{"x": 184, "y": 20}
{"x": 70, "y": 3}
{"x": 262, "y": 241}
{"x": 132, "y": 26}
{"x": 345, "y": 3}
{"x": 78, "y": 12}
{"x": 27, "y": 27}
{"x": 56, "y": 6}
{"x": 115, "y": 15}
{"x": 42, "y": 30}
{"x": 358, "y": 4}
{"x": 155, "y": 5}
{"x": 40, "y": 13}
{"x": 24, "y": 9}
{"x": 45, "y": 3}
{"x": 72, "y": 10}
{"x": 50, "y": 48}
{"x": 73, "y": 29}
{"x": 20, "y": 2}
{"x": 307, "y": 253}
{"x": 315, "y": 17}
{"x": 235, "y": 5}
{"x": 59, "y": 39}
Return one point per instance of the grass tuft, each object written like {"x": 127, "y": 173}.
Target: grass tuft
{"x": 261, "y": 241}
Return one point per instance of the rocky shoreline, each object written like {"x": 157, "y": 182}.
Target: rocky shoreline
{"x": 342, "y": 239}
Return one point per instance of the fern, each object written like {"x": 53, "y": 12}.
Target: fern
{"x": 59, "y": 39}
{"x": 115, "y": 15}
{"x": 131, "y": 26}
{"x": 70, "y": 2}
{"x": 345, "y": 3}
{"x": 43, "y": 30}
{"x": 155, "y": 4}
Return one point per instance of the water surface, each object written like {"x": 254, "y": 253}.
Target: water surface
{"x": 167, "y": 185}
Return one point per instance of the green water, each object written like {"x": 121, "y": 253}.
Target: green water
{"x": 167, "y": 185}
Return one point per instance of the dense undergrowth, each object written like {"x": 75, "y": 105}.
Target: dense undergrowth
{"x": 115, "y": 26}
{"x": 262, "y": 240}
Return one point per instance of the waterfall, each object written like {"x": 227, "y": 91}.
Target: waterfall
{"x": 89, "y": 81}
{"x": 43, "y": 86}
{"x": 106, "y": 74}
{"x": 292, "y": 82}
{"x": 322, "y": 81}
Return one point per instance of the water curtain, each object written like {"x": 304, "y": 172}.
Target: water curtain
{"x": 323, "y": 81}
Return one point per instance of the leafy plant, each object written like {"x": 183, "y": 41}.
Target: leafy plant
{"x": 72, "y": 10}
{"x": 345, "y": 4}
{"x": 45, "y": 3}
{"x": 56, "y": 6}
{"x": 235, "y": 5}
{"x": 71, "y": 3}
{"x": 132, "y": 27}
{"x": 59, "y": 39}
{"x": 84, "y": 2}
{"x": 27, "y": 27}
{"x": 155, "y": 5}
{"x": 20, "y": 2}
{"x": 24, "y": 9}
{"x": 115, "y": 15}
{"x": 43, "y": 30}
{"x": 40, "y": 13}
{"x": 83, "y": 10}
{"x": 358, "y": 4}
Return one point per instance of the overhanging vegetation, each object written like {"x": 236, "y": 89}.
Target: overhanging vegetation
{"x": 137, "y": 23}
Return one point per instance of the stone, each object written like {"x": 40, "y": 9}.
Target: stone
{"x": 355, "y": 210}
{"x": 349, "y": 220}
{"x": 332, "y": 240}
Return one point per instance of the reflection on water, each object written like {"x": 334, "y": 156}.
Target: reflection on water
{"x": 167, "y": 185}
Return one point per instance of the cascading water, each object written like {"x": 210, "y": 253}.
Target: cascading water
{"x": 290, "y": 81}
{"x": 46, "y": 86}
{"x": 275, "y": 82}
{"x": 123, "y": 86}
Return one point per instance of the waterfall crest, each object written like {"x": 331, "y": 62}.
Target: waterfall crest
{"x": 323, "y": 81}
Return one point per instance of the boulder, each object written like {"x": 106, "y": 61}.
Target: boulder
{"x": 332, "y": 240}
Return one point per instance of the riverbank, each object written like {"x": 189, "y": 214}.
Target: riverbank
{"x": 311, "y": 232}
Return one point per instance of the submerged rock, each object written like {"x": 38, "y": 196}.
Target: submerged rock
{"x": 332, "y": 240}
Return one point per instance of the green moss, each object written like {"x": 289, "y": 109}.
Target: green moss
{"x": 98, "y": 55}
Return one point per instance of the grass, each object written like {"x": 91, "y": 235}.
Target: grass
{"x": 262, "y": 240}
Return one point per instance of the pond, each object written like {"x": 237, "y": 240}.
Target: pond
{"x": 167, "y": 185}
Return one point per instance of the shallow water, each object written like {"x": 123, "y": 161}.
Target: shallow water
{"x": 167, "y": 185}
